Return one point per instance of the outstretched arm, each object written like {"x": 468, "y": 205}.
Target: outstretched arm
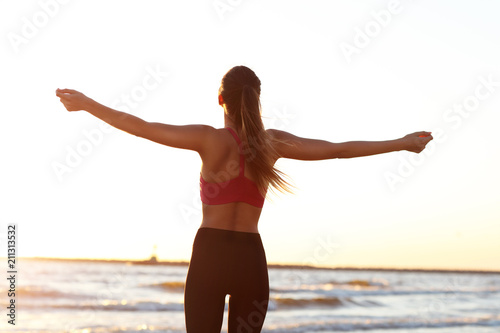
{"x": 294, "y": 147}
{"x": 193, "y": 137}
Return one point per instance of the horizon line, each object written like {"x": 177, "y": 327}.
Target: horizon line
{"x": 274, "y": 265}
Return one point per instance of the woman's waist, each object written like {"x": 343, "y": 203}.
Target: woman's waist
{"x": 235, "y": 217}
{"x": 230, "y": 225}
{"x": 231, "y": 248}
{"x": 224, "y": 241}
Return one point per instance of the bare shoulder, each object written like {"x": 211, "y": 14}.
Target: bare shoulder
{"x": 281, "y": 138}
{"x": 279, "y": 135}
{"x": 212, "y": 136}
{"x": 281, "y": 141}
{"x": 192, "y": 137}
{"x": 220, "y": 134}
{"x": 217, "y": 138}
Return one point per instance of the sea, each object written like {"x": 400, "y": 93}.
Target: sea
{"x": 100, "y": 296}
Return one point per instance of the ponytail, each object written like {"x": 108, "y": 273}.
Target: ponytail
{"x": 240, "y": 90}
{"x": 257, "y": 143}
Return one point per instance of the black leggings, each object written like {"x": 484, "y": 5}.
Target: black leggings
{"x": 226, "y": 262}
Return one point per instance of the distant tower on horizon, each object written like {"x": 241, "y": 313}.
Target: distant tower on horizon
{"x": 153, "y": 258}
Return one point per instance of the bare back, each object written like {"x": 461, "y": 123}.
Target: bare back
{"x": 221, "y": 163}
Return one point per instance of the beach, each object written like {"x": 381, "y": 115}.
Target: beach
{"x": 98, "y": 296}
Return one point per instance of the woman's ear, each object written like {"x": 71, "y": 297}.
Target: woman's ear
{"x": 221, "y": 101}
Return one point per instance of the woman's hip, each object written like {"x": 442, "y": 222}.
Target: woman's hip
{"x": 228, "y": 255}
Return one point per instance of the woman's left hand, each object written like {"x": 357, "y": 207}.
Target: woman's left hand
{"x": 417, "y": 141}
{"x": 73, "y": 100}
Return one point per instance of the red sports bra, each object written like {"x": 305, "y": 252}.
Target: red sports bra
{"x": 239, "y": 189}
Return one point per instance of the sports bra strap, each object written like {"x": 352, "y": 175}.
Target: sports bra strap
{"x": 242, "y": 156}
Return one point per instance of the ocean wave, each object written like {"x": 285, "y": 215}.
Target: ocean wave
{"x": 306, "y": 302}
{"x": 368, "y": 283}
{"x": 38, "y": 292}
{"x": 113, "y": 305}
{"x": 179, "y": 286}
{"x": 335, "y": 325}
{"x": 371, "y": 323}
{"x": 361, "y": 288}
{"x": 168, "y": 285}
{"x": 351, "y": 284}
{"x": 283, "y": 303}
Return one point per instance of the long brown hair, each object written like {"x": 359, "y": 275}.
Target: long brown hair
{"x": 240, "y": 90}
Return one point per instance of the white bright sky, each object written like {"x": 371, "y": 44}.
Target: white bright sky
{"x": 129, "y": 194}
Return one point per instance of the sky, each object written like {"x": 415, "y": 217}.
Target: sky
{"x": 332, "y": 70}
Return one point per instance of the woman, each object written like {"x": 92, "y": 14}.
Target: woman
{"x": 238, "y": 167}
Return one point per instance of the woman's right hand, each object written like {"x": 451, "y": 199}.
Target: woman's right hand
{"x": 416, "y": 142}
{"x": 73, "y": 100}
